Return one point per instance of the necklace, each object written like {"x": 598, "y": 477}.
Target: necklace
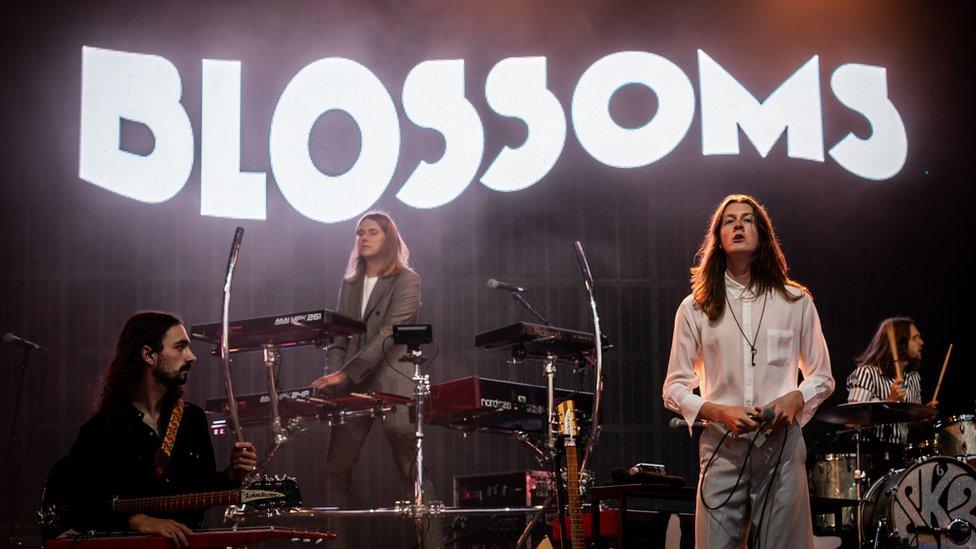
{"x": 755, "y": 337}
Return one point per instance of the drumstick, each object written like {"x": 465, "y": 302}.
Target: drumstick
{"x": 893, "y": 346}
{"x": 942, "y": 373}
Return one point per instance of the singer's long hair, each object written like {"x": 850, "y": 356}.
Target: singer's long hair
{"x": 767, "y": 270}
{"x": 395, "y": 254}
{"x": 878, "y": 351}
{"x": 125, "y": 371}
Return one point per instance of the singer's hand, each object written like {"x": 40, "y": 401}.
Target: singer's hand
{"x": 785, "y": 410}
{"x": 897, "y": 391}
{"x": 736, "y": 418}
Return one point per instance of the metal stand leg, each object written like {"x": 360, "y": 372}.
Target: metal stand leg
{"x": 418, "y": 510}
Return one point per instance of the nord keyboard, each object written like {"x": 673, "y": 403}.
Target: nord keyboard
{"x": 285, "y": 330}
{"x": 483, "y": 404}
{"x": 539, "y": 340}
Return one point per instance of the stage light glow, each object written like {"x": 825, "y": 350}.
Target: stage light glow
{"x": 864, "y": 88}
{"x": 334, "y": 84}
{"x": 118, "y": 85}
{"x": 621, "y": 147}
{"x": 433, "y": 97}
{"x": 225, "y": 191}
{"x": 794, "y": 107}
{"x": 518, "y": 87}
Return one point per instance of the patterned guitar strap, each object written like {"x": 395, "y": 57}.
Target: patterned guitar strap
{"x": 166, "y": 449}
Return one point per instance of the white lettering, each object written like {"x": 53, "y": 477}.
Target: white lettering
{"x": 794, "y": 107}
{"x": 433, "y": 97}
{"x": 225, "y": 191}
{"x": 623, "y": 147}
{"x": 334, "y": 84}
{"x": 864, "y": 88}
{"x": 118, "y": 85}
{"x": 517, "y": 87}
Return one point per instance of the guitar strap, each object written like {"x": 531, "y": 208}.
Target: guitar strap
{"x": 166, "y": 448}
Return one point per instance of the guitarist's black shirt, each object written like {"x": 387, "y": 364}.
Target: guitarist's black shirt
{"x": 115, "y": 456}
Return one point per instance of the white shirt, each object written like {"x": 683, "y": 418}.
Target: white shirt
{"x": 368, "y": 284}
{"x": 715, "y": 357}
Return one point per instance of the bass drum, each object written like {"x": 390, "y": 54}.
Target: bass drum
{"x": 930, "y": 493}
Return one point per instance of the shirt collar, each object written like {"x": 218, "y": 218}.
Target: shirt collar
{"x": 738, "y": 291}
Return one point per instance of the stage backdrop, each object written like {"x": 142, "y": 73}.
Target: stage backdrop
{"x": 138, "y": 135}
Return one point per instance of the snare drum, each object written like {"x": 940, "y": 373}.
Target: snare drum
{"x": 930, "y": 493}
{"x": 956, "y": 436}
{"x": 832, "y": 476}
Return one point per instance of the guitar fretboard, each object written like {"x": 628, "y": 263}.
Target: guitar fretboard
{"x": 179, "y": 503}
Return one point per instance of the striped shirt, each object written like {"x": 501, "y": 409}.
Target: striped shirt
{"x": 867, "y": 384}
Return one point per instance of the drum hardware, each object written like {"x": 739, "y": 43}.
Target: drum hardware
{"x": 413, "y": 336}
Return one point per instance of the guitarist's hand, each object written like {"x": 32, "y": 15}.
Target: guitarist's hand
{"x": 172, "y": 530}
{"x": 243, "y": 460}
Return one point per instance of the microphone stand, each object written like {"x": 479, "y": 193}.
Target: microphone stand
{"x": 12, "y": 440}
{"x": 598, "y": 345}
{"x": 524, "y": 302}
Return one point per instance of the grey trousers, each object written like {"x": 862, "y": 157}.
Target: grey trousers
{"x": 787, "y": 522}
{"x": 344, "y": 447}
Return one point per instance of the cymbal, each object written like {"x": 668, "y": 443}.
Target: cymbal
{"x": 875, "y": 413}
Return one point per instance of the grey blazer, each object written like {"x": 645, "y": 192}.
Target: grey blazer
{"x": 394, "y": 300}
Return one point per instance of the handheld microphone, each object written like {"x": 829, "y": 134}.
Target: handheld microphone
{"x": 11, "y": 338}
{"x": 765, "y": 416}
{"x": 496, "y": 285}
{"x": 678, "y": 423}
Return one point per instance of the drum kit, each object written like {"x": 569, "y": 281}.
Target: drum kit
{"x": 896, "y": 495}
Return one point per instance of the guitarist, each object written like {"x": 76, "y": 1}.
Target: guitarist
{"x": 143, "y": 440}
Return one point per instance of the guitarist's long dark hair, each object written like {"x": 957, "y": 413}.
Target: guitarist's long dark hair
{"x": 145, "y": 328}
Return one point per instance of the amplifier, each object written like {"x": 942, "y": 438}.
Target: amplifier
{"x": 514, "y": 489}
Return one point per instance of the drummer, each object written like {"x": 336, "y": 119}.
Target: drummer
{"x": 876, "y": 378}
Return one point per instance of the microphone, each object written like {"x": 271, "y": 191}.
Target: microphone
{"x": 765, "y": 416}
{"x": 494, "y": 284}
{"x": 11, "y": 338}
{"x": 678, "y": 423}
{"x": 958, "y": 531}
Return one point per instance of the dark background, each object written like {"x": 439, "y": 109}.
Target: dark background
{"x": 76, "y": 260}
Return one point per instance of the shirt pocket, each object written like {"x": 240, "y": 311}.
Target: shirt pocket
{"x": 779, "y": 347}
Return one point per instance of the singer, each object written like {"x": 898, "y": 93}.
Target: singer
{"x": 740, "y": 338}
{"x": 381, "y": 289}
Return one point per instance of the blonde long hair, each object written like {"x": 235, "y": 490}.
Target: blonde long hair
{"x": 767, "y": 270}
{"x": 395, "y": 254}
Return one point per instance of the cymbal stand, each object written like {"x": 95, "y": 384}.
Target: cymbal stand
{"x": 418, "y": 510}
{"x": 859, "y": 478}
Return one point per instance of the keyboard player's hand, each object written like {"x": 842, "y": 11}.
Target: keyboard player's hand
{"x": 330, "y": 383}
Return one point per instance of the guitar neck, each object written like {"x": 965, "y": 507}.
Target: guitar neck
{"x": 575, "y": 508}
{"x": 179, "y": 503}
